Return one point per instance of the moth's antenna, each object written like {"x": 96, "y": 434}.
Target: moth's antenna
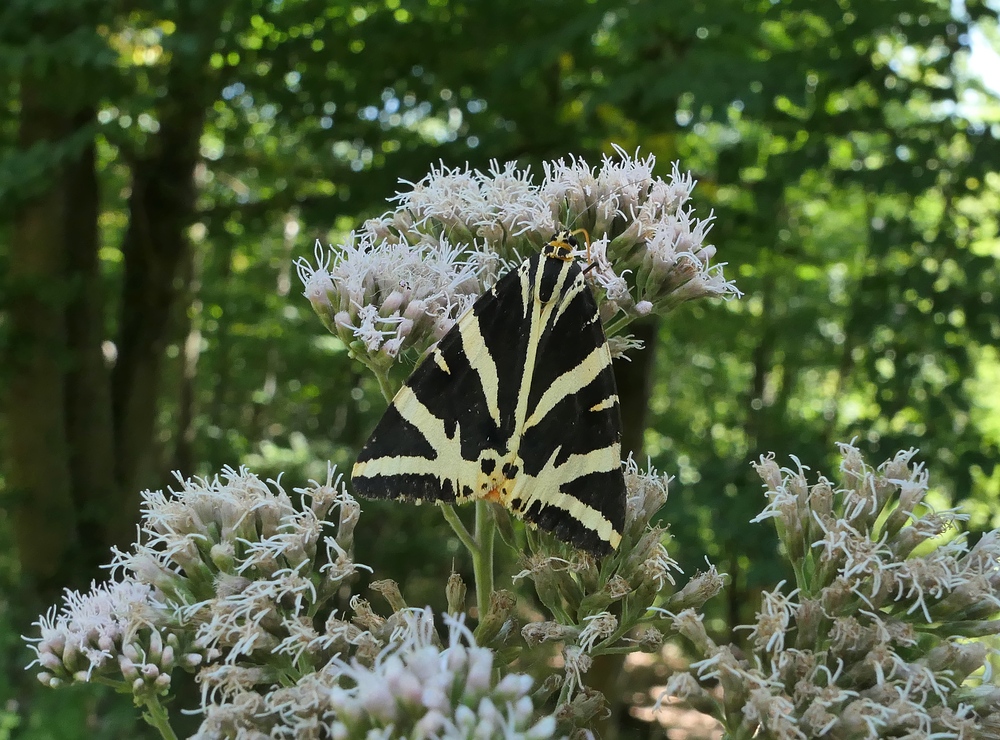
{"x": 586, "y": 239}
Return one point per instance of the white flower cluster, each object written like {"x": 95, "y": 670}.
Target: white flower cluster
{"x": 233, "y": 580}
{"x": 224, "y": 578}
{"x": 873, "y": 642}
{"x": 403, "y": 280}
{"x": 607, "y": 608}
{"x": 115, "y": 634}
{"x": 413, "y": 688}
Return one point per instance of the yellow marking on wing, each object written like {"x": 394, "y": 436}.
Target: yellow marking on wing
{"x": 607, "y": 403}
{"x": 439, "y": 361}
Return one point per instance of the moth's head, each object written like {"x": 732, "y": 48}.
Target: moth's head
{"x": 561, "y": 245}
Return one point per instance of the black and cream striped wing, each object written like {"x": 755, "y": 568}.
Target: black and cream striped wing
{"x": 517, "y": 404}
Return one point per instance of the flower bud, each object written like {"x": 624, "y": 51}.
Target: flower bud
{"x": 389, "y": 590}
{"x": 455, "y": 593}
{"x": 501, "y": 608}
{"x": 535, "y": 633}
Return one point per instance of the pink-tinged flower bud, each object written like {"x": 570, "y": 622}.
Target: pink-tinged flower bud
{"x": 378, "y": 701}
{"x": 442, "y": 327}
{"x": 644, "y": 308}
{"x": 432, "y": 724}
{"x": 71, "y": 654}
{"x": 392, "y": 303}
{"x": 403, "y": 329}
{"x": 480, "y": 672}
{"x": 408, "y": 688}
{"x": 155, "y": 646}
{"x": 514, "y": 685}
{"x": 162, "y": 682}
{"x": 465, "y": 718}
{"x": 706, "y": 254}
{"x": 343, "y": 320}
{"x": 50, "y": 661}
{"x": 542, "y": 729}
{"x": 54, "y": 642}
{"x": 391, "y": 347}
{"x": 269, "y": 514}
{"x": 128, "y": 669}
{"x": 191, "y": 660}
{"x": 488, "y": 714}
{"x": 415, "y": 310}
{"x": 436, "y": 698}
{"x": 457, "y": 660}
{"x": 167, "y": 658}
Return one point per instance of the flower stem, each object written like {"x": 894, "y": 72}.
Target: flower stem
{"x": 156, "y": 715}
{"x": 451, "y": 516}
{"x": 384, "y": 385}
{"x": 482, "y": 559}
{"x": 616, "y": 325}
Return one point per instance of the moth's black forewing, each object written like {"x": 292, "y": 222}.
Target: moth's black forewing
{"x": 454, "y": 429}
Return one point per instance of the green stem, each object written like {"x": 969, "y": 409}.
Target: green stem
{"x": 617, "y": 324}
{"x": 156, "y": 715}
{"x": 451, "y": 516}
{"x": 384, "y": 385}
{"x": 482, "y": 559}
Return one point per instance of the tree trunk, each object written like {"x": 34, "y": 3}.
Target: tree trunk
{"x": 88, "y": 391}
{"x": 156, "y": 245}
{"x": 37, "y": 469}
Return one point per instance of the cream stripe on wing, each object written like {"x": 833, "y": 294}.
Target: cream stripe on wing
{"x": 575, "y": 288}
{"x": 464, "y": 473}
{"x": 479, "y": 358}
{"x": 550, "y": 480}
{"x": 541, "y": 317}
{"x": 570, "y": 382}
{"x": 532, "y": 314}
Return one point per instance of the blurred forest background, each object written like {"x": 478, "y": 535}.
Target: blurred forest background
{"x": 163, "y": 162}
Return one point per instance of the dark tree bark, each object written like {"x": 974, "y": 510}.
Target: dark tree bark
{"x": 37, "y": 469}
{"x": 78, "y": 437}
{"x": 161, "y": 207}
{"x": 156, "y": 246}
{"x": 88, "y": 393}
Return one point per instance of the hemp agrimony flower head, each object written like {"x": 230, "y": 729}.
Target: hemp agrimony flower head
{"x": 402, "y": 281}
{"x": 874, "y": 639}
{"x": 227, "y": 576}
{"x": 115, "y": 634}
{"x": 604, "y": 607}
{"x": 415, "y": 687}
